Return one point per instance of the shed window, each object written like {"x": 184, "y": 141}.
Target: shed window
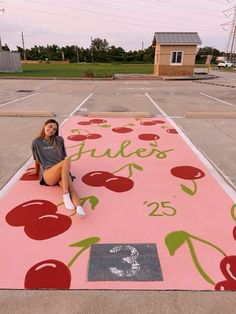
{"x": 176, "y": 57}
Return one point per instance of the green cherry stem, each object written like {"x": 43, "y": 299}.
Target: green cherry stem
{"x": 79, "y": 131}
{"x": 188, "y": 190}
{"x": 104, "y": 125}
{"x": 232, "y": 212}
{"x": 71, "y": 262}
{"x": 208, "y": 243}
{"x": 129, "y": 166}
{"x": 153, "y": 143}
{"x": 93, "y": 200}
{"x": 84, "y": 245}
{"x": 197, "y": 264}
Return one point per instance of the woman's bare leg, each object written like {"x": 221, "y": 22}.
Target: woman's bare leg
{"x": 59, "y": 172}
{"x": 74, "y": 196}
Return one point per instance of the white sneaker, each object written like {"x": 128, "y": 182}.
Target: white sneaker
{"x": 80, "y": 211}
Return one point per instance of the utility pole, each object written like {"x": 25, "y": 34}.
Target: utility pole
{"x": 91, "y": 49}
{"x": 1, "y": 45}
{"x": 3, "y": 11}
{"x": 230, "y": 46}
{"x": 77, "y": 54}
{"x": 23, "y": 43}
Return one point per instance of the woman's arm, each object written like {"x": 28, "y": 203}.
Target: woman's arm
{"x": 36, "y": 169}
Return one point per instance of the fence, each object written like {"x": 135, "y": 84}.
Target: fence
{"x": 10, "y": 61}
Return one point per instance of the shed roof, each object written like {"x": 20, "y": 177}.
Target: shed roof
{"x": 171, "y": 38}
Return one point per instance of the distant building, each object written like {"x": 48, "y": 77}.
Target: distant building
{"x": 175, "y": 53}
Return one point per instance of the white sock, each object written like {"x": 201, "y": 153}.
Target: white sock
{"x": 67, "y": 201}
{"x": 80, "y": 211}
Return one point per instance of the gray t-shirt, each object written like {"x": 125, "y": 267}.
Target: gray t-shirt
{"x": 46, "y": 154}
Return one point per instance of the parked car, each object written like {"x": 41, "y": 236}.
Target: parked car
{"x": 225, "y": 64}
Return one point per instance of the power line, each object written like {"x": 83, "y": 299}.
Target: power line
{"x": 142, "y": 20}
{"x": 148, "y": 7}
{"x": 157, "y": 23}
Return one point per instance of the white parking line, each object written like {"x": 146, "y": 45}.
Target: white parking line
{"x": 217, "y": 99}
{"x": 24, "y": 167}
{"x": 10, "y": 102}
{"x": 221, "y": 179}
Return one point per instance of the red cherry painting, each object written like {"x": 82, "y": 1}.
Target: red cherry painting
{"x": 96, "y": 178}
{"x": 40, "y": 219}
{"x": 77, "y": 137}
{"x": 93, "y": 136}
{"x": 159, "y": 121}
{"x": 148, "y": 137}
{"x": 187, "y": 172}
{"x": 110, "y": 180}
{"x": 27, "y": 211}
{"x": 84, "y": 123}
{"x": 228, "y": 285}
{"x": 27, "y": 177}
{"x": 47, "y": 226}
{"x": 228, "y": 269}
{"x": 119, "y": 184}
{"x": 172, "y": 131}
{"x": 97, "y": 121}
{"x": 48, "y": 274}
{"x": 234, "y": 233}
{"x": 82, "y": 137}
{"x": 122, "y": 130}
{"x": 148, "y": 123}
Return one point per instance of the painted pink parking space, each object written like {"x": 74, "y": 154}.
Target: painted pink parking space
{"x": 140, "y": 184}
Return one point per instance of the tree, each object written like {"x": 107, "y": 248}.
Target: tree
{"x": 99, "y": 48}
{"x": 115, "y": 54}
{"x": 5, "y": 48}
{"x": 205, "y": 51}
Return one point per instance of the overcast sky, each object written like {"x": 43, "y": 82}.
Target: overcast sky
{"x": 124, "y": 23}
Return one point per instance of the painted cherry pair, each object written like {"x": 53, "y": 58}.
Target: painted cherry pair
{"x": 39, "y": 219}
{"x": 92, "y": 121}
{"x": 108, "y": 180}
{"x": 82, "y": 137}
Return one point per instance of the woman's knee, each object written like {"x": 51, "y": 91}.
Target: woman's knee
{"x": 66, "y": 163}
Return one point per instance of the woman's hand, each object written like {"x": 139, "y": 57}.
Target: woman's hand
{"x": 33, "y": 172}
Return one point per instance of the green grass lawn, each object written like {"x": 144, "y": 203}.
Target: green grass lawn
{"x": 80, "y": 70}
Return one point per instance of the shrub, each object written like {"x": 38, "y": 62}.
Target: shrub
{"x": 89, "y": 73}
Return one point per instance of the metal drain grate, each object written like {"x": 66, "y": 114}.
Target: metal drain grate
{"x": 24, "y": 90}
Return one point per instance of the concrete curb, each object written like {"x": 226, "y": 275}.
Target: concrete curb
{"x": 58, "y": 78}
{"x": 211, "y": 115}
{"x": 190, "y": 78}
{"x": 216, "y": 84}
{"x": 27, "y": 114}
{"x": 121, "y": 114}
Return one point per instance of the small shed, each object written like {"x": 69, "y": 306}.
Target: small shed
{"x": 175, "y": 53}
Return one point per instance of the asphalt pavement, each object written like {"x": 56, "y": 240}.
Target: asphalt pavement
{"x": 213, "y": 136}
